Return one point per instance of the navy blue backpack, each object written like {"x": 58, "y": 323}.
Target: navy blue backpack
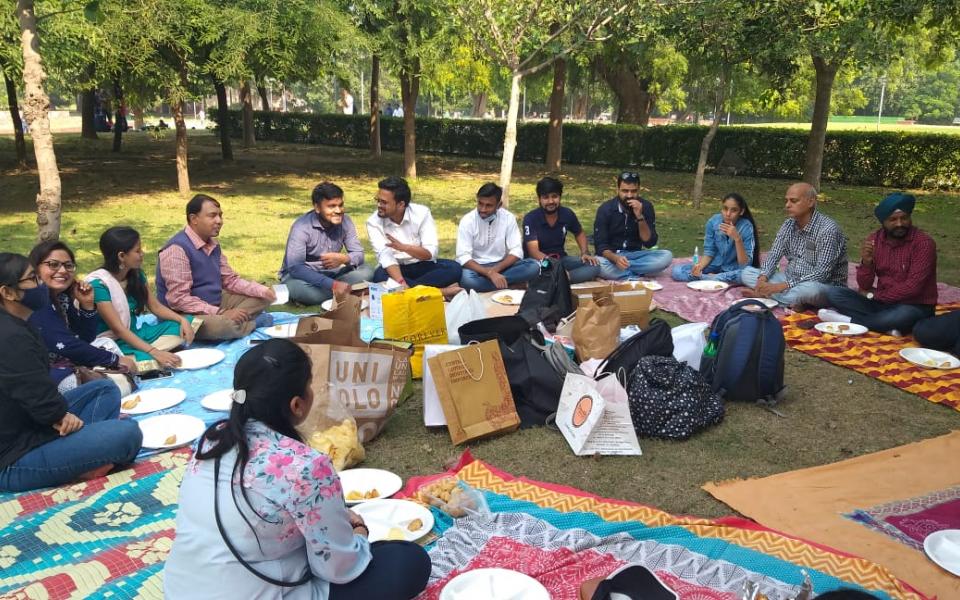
{"x": 748, "y": 365}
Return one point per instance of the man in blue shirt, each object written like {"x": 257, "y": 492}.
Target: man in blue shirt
{"x": 315, "y": 268}
{"x": 625, "y": 233}
{"x": 545, "y": 232}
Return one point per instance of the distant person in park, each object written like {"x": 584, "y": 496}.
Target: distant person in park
{"x": 324, "y": 256}
{"x": 489, "y": 245}
{"x": 398, "y": 111}
{"x": 345, "y": 103}
{"x": 194, "y": 278}
{"x": 545, "y": 232}
{"x": 625, "y": 233}
{"x": 262, "y": 514}
{"x": 65, "y": 316}
{"x": 940, "y": 333}
{"x": 121, "y": 294}
{"x": 48, "y": 438}
{"x": 816, "y": 252}
{"x": 404, "y": 239}
{"x": 898, "y": 265}
{"x": 729, "y": 245}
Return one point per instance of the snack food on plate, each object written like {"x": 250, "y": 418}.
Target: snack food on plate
{"x": 415, "y": 525}
{"x": 170, "y": 440}
{"x": 131, "y": 403}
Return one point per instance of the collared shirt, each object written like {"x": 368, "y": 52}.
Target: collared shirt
{"x": 905, "y": 270}
{"x": 818, "y": 252}
{"x": 417, "y": 229}
{"x": 309, "y": 240}
{"x": 722, "y": 249}
{"x": 175, "y": 268}
{"x": 617, "y": 229}
{"x": 550, "y": 238}
{"x": 488, "y": 242}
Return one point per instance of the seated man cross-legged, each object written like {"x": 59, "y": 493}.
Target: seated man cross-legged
{"x": 489, "y": 246}
{"x": 315, "y": 266}
{"x": 193, "y": 278}
{"x": 898, "y": 264}
{"x": 545, "y": 232}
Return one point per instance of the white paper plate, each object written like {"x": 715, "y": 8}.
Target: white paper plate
{"x": 286, "y": 330}
{"x": 219, "y": 401}
{"x": 943, "y": 548}
{"x": 152, "y": 400}
{"x": 838, "y": 328}
{"x": 328, "y": 304}
{"x": 493, "y": 584}
{"x": 768, "y": 302}
{"x": 199, "y": 358}
{"x": 931, "y": 359}
{"x": 383, "y": 517}
{"x": 707, "y": 285}
{"x": 283, "y": 294}
{"x": 169, "y": 431}
{"x": 366, "y": 480}
{"x": 508, "y": 297}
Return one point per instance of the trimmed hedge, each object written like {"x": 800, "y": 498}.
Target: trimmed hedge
{"x": 890, "y": 159}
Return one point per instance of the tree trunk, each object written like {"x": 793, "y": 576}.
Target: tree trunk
{"x": 555, "y": 127}
{"x": 634, "y": 99}
{"x": 36, "y": 105}
{"x": 409, "y": 89}
{"x": 137, "y": 118}
{"x": 20, "y": 143}
{"x": 480, "y": 105}
{"x": 223, "y": 120}
{"x": 707, "y": 140}
{"x": 581, "y": 106}
{"x": 183, "y": 174}
{"x": 88, "y": 125}
{"x": 510, "y": 138}
{"x": 246, "y": 97}
{"x": 119, "y": 117}
{"x": 813, "y": 161}
{"x": 264, "y": 96}
{"x": 375, "y": 148}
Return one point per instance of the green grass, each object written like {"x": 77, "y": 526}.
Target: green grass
{"x": 832, "y": 413}
{"x": 866, "y": 124}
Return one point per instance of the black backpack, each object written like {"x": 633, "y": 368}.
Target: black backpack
{"x": 548, "y": 297}
{"x": 670, "y": 400}
{"x": 655, "y": 340}
{"x": 534, "y": 383}
{"x": 748, "y": 365}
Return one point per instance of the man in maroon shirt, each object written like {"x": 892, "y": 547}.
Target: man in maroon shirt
{"x": 897, "y": 275}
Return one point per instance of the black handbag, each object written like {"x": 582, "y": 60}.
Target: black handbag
{"x": 655, "y": 340}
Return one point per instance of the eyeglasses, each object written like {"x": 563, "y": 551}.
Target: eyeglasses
{"x": 629, "y": 176}
{"x": 55, "y": 265}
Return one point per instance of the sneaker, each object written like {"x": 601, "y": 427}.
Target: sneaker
{"x": 895, "y": 333}
{"x": 264, "y": 319}
{"x": 826, "y": 314}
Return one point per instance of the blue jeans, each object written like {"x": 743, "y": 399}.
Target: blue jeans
{"x": 438, "y": 274}
{"x": 102, "y": 440}
{"x": 306, "y": 293}
{"x": 876, "y": 315}
{"x": 713, "y": 272}
{"x": 810, "y": 293}
{"x": 579, "y": 271}
{"x": 521, "y": 271}
{"x": 397, "y": 571}
{"x": 642, "y": 262}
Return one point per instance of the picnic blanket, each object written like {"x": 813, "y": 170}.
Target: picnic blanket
{"x": 702, "y": 307}
{"x": 819, "y": 503}
{"x": 876, "y": 355}
{"x": 562, "y": 536}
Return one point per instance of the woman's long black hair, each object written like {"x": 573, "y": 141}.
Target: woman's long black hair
{"x": 270, "y": 375}
{"x": 123, "y": 239}
{"x": 746, "y": 214}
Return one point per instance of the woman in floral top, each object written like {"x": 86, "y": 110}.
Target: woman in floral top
{"x": 273, "y": 524}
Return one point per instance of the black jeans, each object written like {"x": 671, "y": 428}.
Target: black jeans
{"x": 397, "y": 571}
{"x": 876, "y": 315}
{"x": 939, "y": 333}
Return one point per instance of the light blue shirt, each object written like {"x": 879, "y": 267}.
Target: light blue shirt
{"x": 723, "y": 250}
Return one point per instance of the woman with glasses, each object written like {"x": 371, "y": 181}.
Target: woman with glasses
{"x": 65, "y": 316}
{"x": 48, "y": 438}
{"x": 729, "y": 245}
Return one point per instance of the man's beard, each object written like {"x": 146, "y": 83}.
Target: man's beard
{"x": 550, "y": 210}
{"x": 899, "y": 232}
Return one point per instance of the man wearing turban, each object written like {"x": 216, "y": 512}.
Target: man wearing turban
{"x": 898, "y": 266}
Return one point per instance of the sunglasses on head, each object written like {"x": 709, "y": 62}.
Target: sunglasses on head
{"x": 629, "y": 176}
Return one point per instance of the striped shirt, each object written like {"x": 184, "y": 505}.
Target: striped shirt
{"x": 816, "y": 252}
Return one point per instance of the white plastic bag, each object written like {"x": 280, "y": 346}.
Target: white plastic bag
{"x": 689, "y": 342}
{"x": 465, "y": 307}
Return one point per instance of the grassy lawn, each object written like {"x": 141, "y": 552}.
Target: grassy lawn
{"x": 832, "y": 413}
{"x": 868, "y": 124}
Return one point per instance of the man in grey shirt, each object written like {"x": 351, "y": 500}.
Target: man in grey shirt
{"x": 315, "y": 268}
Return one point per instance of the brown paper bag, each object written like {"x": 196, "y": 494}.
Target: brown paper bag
{"x": 474, "y": 391}
{"x": 596, "y": 328}
{"x": 338, "y": 326}
{"x": 632, "y": 297}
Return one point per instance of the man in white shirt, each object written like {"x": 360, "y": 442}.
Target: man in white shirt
{"x": 404, "y": 238}
{"x": 489, "y": 245}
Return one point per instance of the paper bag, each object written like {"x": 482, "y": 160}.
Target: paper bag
{"x": 594, "y": 417}
{"x": 596, "y": 328}
{"x": 474, "y": 391}
{"x": 631, "y": 296}
{"x": 432, "y": 410}
{"x": 415, "y": 315}
{"x": 321, "y": 330}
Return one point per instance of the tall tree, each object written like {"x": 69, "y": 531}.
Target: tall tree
{"x": 11, "y": 59}
{"x": 555, "y": 124}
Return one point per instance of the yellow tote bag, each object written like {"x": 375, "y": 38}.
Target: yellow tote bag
{"x": 415, "y": 315}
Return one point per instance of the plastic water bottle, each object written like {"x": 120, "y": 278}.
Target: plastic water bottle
{"x": 696, "y": 254}
{"x": 711, "y": 348}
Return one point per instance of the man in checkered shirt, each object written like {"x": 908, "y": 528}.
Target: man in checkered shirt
{"x": 816, "y": 253}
